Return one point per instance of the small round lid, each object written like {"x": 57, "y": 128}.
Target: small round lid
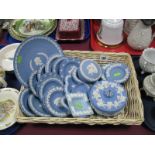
{"x": 23, "y": 103}
{"x": 117, "y": 73}
{"x": 89, "y": 70}
{"x": 108, "y": 97}
{"x": 37, "y": 107}
{"x": 53, "y": 102}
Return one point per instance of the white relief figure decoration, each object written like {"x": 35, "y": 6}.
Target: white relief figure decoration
{"x": 38, "y": 61}
{"x": 92, "y": 69}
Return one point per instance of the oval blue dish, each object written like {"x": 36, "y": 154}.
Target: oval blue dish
{"x": 89, "y": 71}
{"x": 49, "y": 64}
{"x": 33, "y": 53}
{"x": 40, "y": 72}
{"x": 23, "y": 103}
{"x": 48, "y": 84}
{"x": 118, "y": 72}
{"x": 33, "y": 81}
{"x": 108, "y": 98}
{"x": 53, "y": 102}
{"x": 37, "y": 107}
{"x": 67, "y": 66}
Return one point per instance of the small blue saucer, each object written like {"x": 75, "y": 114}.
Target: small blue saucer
{"x": 67, "y": 66}
{"x": 53, "y": 102}
{"x": 89, "y": 71}
{"x": 75, "y": 76}
{"x": 37, "y": 107}
{"x": 40, "y": 72}
{"x": 33, "y": 53}
{"x": 33, "y": 81}
{"x": 48, "y": 84}
{"x": 23, "y": 103}
{"x": 108, "y": 98}
{"x": 79, "y": 105}
{"x": 103, "y": 76}
{"x": 56, "y": 64}
{"x": 49, "y": 64}
{"x": 118, "y": 72}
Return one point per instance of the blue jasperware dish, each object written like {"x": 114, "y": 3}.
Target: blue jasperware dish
{"x": 23, "y": 103}
{"x": 37, "y": 107}
{"x": 108, "y": 98}
{"x": 33, "y": 53}
{"x": 89, "y": 71}
{"x": 118, "y": 72}
{"x": 40, "y": 72}
{"x": 53, "y": 102}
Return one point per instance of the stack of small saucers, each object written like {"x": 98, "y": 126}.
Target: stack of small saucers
{"x": 20, "y": 29}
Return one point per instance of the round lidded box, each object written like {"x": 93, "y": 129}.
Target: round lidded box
{"x": 108, "y": 98}
{"x": 89, "y": 71}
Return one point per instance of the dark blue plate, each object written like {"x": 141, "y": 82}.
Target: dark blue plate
{"x": 37, "y": 107}
{"x": 53, "y": 102}
{"x": 23, "y": 103}
{"x": 33, "y": 53}
{"x": 67, "y": 66}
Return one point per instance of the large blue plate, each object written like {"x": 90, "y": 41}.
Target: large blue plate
{"x": 33, "y": 53}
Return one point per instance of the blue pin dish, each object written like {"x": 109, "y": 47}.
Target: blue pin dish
{"x": 49, "y": 64}
{"x": 53, "y": 102}
{"x": 33, "y": 81}
{"x": 75, "y": 76}
{"x": 118, "y": 72}
{"x": 48, "y": 84}
{"x": 67, "y": 66}
{"x": 40, "y": 72}
{"x": 79, "y": 105}
{"x": 33, "y": 53}
{"x": 23, "y": 103}
{"x": 89, "y": 71}
{"x": 108, "y": 98}
{"x": 37, "y": 107}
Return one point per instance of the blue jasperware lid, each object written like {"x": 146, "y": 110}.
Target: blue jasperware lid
{"x": 108, "y": 97}
{"x": 89, "y": 71}
{"x": 23, "y": 103}
{"x": 37, "y": 107}
{"x": 118, "y": 72}
{"x": 31, "y": 54}
{"x": 53, "y": 102}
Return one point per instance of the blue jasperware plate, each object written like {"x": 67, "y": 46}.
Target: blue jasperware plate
{"x": 108, "y": 98}
{"x": 49, "y": 64}
{"x": 67, "y": 66}
{"x": 118, "y": 72}
{"x": 23, "y": 103}
{"x": 33, "y": 81}
{"x": 79, "y": 105}
{"x": 37, "y": 107}
{"x": 33, "y": 53}
{"x": 48, "y": 84}
{"x": 40, "y": 72}
{"x": 89, "y": 71}
{"x": 53, "y": 102}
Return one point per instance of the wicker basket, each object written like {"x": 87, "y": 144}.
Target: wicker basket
{"x": 133, "y": 113}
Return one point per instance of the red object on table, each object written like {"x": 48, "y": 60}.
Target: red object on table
{"x": 123, "y": 47}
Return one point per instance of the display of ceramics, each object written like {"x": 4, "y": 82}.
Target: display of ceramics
{"x": 23, "y": 103}
{"x": 117, "y": 72}
{"x": 111, "y": 31}
{"x": 108, "y": 98}
{"x": 41, "y": 48}
{"x": 89, "y": 71}
{"x": 20, "y": 29}
{"x": 8, "y": 105}
{"x": 49, "y": 64}
{"x": 53, "y": 102}
{"x": 147, "y": 61}
{"x": 7, "y": 56}
{"x": 149, "y": 85}
{"x": 37, "y": 107}
{"x": 79, "y": 105}
{"x": 67, "y": 66}
{"x": 140, "y": 37}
